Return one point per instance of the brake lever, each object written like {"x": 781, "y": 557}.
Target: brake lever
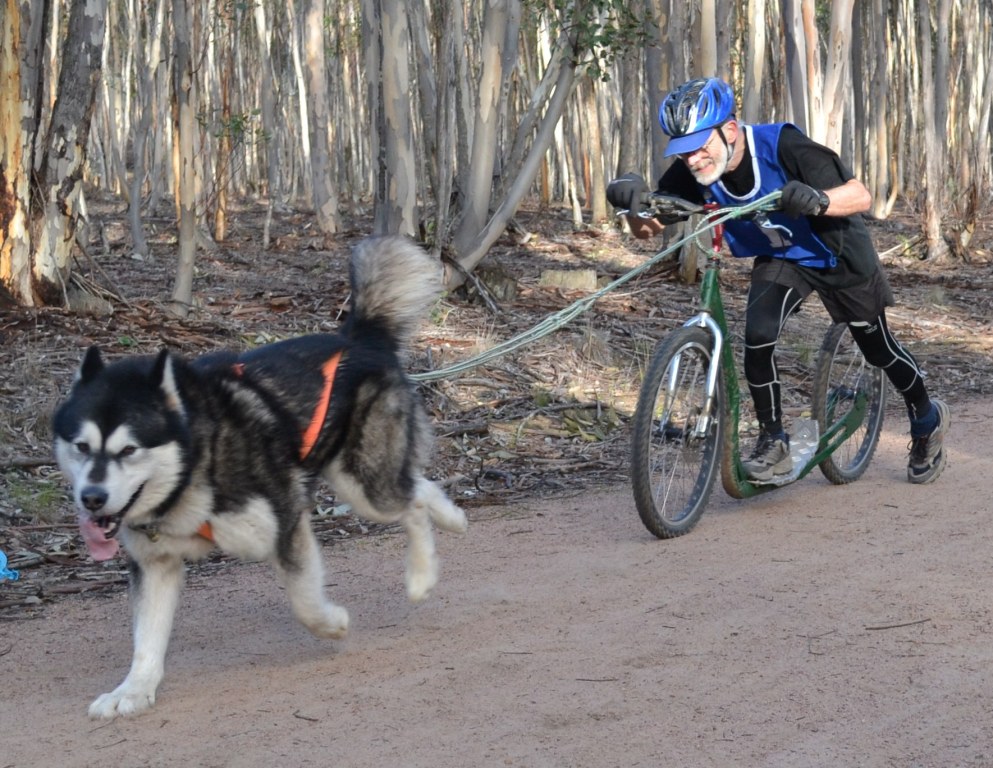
{"x": 671, "y": 204}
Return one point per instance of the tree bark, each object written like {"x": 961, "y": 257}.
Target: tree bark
{"x": 937, "y": 248}
{"x": 182, "y": 294}
{"x": 479, "y": 181}
{"x": 325, "y": 194}
{"x": 751, "y": 100}
{"x": 396, "y": 209}
{"x": 836, "y": 91}
{"x": 60, "y": 174}
{"x": 22, "y": 25}
{"x": 473, "y": 253}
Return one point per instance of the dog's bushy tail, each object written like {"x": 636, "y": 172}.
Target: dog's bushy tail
{"x": 394, "y": 283}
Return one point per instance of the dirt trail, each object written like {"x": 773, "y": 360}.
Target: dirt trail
{"x": 815, "y": 626}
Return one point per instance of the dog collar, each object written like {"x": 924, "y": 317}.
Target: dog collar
{"x": 152, "y": 531}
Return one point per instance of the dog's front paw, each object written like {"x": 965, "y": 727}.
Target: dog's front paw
{"x": 332, "y": 623}
{"x": 122, "y": 702}
{"x": 421, "y": 580}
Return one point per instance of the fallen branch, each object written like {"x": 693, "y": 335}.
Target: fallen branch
{"x": 26, "y": 462}
{"x": 901, "y": 624}
{"x": 76, "y": 588}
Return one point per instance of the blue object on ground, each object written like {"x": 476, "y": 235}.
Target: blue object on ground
{"x": 6, "y": 573}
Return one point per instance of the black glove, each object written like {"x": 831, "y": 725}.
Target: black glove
{"x": 801, "y": 200}
{"x": 627, "y": 193}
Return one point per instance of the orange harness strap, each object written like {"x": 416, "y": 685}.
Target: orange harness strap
{"x": 321, "y": 411}
{"x": 329, "y": 369}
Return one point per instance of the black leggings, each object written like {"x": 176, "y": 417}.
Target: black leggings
{"x": 769, "y": 305}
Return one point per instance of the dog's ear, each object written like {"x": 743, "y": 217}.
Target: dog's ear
{"x": 92, "y": 365}
{"x": 164, "y": 375}
{"x": 159, "y": 366}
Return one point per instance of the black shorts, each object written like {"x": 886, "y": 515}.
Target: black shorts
{"x": 847, "y": 298}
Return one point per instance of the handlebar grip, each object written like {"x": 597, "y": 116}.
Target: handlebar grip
{"x": 647, "y": 199}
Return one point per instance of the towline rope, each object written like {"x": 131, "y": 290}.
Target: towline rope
{"x": 564, "y": 316}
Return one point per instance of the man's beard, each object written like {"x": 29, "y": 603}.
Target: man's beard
{"x": 713, "y": 168}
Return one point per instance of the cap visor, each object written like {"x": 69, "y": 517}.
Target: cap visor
{"x": 681, "y": 145}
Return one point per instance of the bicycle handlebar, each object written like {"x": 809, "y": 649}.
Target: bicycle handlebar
{"x": 674, "y": 208}
{"x": 670, "y": 206}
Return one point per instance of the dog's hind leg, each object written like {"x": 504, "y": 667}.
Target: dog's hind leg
{"x": 155, "y": 593}
{"x": 422, "y": 560}
{"x": 303, "y": 576}
{"x": 430, "y": 505}
{"x": 414, "y": 515}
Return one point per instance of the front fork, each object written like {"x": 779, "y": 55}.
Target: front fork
{"x": 704, "y": 320}
{"x": 735, "y": 481}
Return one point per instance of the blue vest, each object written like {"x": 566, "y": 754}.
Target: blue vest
{"x": 772, "y": 234}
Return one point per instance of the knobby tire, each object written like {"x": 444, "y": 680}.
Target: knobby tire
{"x": 674, "y": 469}
{"x": 841, "y": 373}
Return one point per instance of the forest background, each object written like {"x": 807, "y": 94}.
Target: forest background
{"x": 193, "y": 175}
{"x": 443, "y": 117}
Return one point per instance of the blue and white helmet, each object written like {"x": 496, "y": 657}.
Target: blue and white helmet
{"x": 689, "y": 113}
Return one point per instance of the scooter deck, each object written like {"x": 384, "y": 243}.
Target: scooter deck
{"x": 804, "y": 437}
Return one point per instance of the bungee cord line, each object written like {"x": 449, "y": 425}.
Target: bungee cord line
{"x": 564, "y": 316}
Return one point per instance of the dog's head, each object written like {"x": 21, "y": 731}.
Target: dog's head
{"x": 120, "y": 441}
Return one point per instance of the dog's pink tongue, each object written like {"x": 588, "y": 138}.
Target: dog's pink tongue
{"x": 98, "y": 545}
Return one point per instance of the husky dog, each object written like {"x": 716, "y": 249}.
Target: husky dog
{"x": 175, "y": 458}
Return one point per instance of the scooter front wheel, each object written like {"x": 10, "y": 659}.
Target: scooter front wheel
{"x": 676, "y": 440}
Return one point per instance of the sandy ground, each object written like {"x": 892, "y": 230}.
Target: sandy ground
{"x": 813, "y": 626}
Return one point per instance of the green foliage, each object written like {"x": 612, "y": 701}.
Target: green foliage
{"x": 542, "y": 397}
{"x": 38, "y": 498}
{"x": 599, "y": 30}
{"x": 239, "y": 127}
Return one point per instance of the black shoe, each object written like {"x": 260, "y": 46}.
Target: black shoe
{"x": 927, "y": 455}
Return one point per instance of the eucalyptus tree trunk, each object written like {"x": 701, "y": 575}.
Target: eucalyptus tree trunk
{"x": 876, "y": 175}
{"x": 267, "y": 99}
{"x": 754, "y": 64}
{"x": 62, "y": 161}
{"x": 147, "y": 64}
{"x": 387, "y": 60}
{"x": 593, "y": 150}
{"x": 707, "y": 65}
{"x": 661, "y": 74}
{"x": 942, "y": 72}
{"x": 629, "y": 100}
{"x": 303, "y": 134}
{"x": 438, "y": 37}
{"x": 978, "y": 174}
{"x": 818, "y": 89}
{"x": 114, "y": 89}
{"x": 836, "y": 92}
{"x": 795, "y": 64}
{"x": 477, "y": 177}
{"x": 22, "y": 32}
{"x": 473, "y": 249}
{"x": 221, "y": 94}
{"x": 182, "y": 294}
{"x": 427, "y": 27}
{"x": 933, "y": 190}
{"x": 324, "y": 191}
